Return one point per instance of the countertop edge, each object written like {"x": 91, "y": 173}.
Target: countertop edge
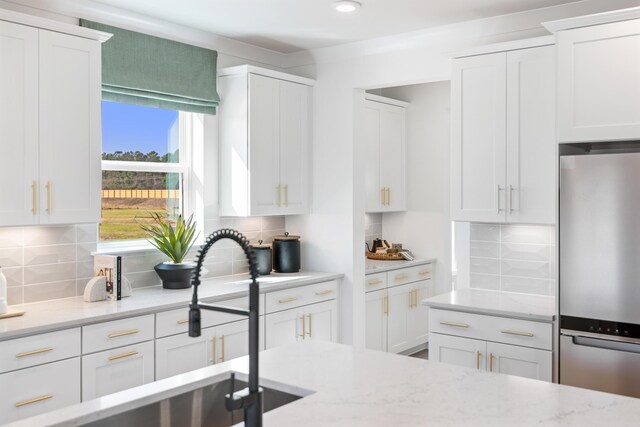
{"x": 491, "y": 312}
{"x": 406, "y": 264}
{"x": 90, "y": 320}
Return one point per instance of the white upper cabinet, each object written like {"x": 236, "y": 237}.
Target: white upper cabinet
{"x": 18, "y": 124}
{"x": 599, "y": 83}
{"x": 265, "y": 134}
{"x": 503, "y": 137}
{"x": 385, "y": 151}
{"x": 50, "y": 140}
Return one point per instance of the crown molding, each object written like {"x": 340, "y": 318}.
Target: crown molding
{"x": 594, "y": 19}
{"x": 56, "y": 26}
{"x": 506, "y": 46}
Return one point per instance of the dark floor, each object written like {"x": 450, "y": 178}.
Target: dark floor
{"x": 424, "y": 354}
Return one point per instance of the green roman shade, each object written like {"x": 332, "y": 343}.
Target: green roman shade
{"x": 146, "y": 70}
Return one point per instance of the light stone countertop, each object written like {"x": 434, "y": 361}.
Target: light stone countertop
{"x": 506, "y": 304}
{"x": 365, "y": 388}
{"x": 72, "y": 312}
{"x": 376, "y": 266}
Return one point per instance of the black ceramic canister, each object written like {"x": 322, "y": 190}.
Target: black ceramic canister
{"x": 263, "y": 258}
{"x": 286, "y": 253}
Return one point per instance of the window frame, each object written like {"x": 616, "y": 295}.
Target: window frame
{"x": 190, "y": 135}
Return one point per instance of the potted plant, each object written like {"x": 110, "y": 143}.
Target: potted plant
{"x": 174, "y": 242}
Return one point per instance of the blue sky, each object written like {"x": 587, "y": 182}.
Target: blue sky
{"x": 130, "y": 127}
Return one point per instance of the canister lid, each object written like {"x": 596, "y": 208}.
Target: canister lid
{"x": 286, "y": 236}
{"x": 260, "y": 246}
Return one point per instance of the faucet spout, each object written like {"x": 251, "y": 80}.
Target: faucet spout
{"x": 250, "y": 399}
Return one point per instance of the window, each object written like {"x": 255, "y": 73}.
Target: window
{"x": 146, "y": 167}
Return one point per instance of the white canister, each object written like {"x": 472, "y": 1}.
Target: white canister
{"x": 3, "y": 293}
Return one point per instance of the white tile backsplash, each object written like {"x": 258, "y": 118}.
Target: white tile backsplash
{"x": 372, "y": 227}
{"x": 513, "y": 258}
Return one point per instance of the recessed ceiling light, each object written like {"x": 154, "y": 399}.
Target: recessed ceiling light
{"x": 346, "y": 5}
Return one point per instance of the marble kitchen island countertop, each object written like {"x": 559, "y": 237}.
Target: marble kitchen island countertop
{"x": 350, "y": 387}
{"x": 377, "y": 266}
{"x": 72, "y": 312}
{"x": 540, "y": 308}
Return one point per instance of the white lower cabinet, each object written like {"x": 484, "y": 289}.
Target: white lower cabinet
{"x": 395, "y": 319}
{"x": 116, "y": 370}
{"x": 32, "y": 391}
{"x": 471, "y": 351}
{"x": 315, "y": 321}
{"x": 181, "y": 353}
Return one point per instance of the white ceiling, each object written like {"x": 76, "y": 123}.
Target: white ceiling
{"x": 292, "y": 25}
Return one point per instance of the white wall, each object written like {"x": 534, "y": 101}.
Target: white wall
{"x": 425, "y": 228}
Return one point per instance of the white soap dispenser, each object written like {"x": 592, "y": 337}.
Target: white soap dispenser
{"x": 3, "y": 293}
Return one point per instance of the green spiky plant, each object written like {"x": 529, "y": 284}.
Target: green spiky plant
{"x": 174, "y": 242}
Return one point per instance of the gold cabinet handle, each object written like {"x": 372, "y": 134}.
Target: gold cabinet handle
{"x": 457, "y": 325}
{"x": 478, "y": 354}
{"x": 222, "y": 348}
{"x": 286, "y": 300}
{"x": 374, "y": 282}
{"x": 400, "y": 277}
{"x": 214, "y": 350}
{"x": 411, "y": 298}
{"x": 278, "y": 188}
{"x": 388, "y": 196}
{"x": 30, "y": 401}
{"x": 385, "y": 304}
{"x": 286, "y": 195}
{"x": 310, "y": 327}
{"x": 415, "y": 296}
{"x": 490, "y": 362}
{"x": 183, "y": 321}
{"x": 518, "y": 333}
{"x": 48, "y": 197}
{"x": 382, "y": 196}
{"x": 325, "y": 292}
{"x": 34, "y": 193}
{"x": 123, "y": 355}
{"x": 424, "y": 273}
{"x": 124, "y": 333}
{"x": 31, "y": 353}
{"x": 304, "y": 327}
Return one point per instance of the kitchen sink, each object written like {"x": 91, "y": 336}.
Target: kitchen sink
{"x": 202, "y": 407}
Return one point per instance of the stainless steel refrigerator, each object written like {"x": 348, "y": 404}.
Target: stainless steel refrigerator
{"x": 599, "y": 284}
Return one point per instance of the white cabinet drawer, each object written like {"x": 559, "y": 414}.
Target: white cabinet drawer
{"x": 374, "y": 282}
{"x": 177, "y": 321}
{"x": 492, "y": 328}
{"x": 302, "y": 295}
{"x": 38, "y": 349}
{"x": 118, "y": 333}
{"x": 116, "y": 370}
{"x": 40, "y": 389}
{"x": 408, "y": 275}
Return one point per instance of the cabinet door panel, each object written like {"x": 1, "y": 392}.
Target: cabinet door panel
{"x": 520, "y": 361}
{"x": 69, "y": 128}
{"x": 376, "y": 320}
{"x": 531, "y": 146}
{"x": 264, "y": 145}
{"x": 181, "y": 353}
{"x": 56, "y": 384}
{"x": 283, "y": 327}
{"x": 294, "y": 138}
{"x": 233, "y": 340}
{"x": 18, "y": 124}
{"x": 373, "y": 187}
{"x": 400, "y": 305}
{"x": 418, "y": 316}
{"x": 459, "y": 351}
{"x": 322, "y": 321}
{"x": 599, "y": 88}
{"x": 392, "y": 152}
{"x": 116, "y": 370}
{"x": 478, "y": 138}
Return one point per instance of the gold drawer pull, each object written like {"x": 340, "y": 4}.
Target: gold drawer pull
{"x": 490, "y": 362}
{"x": 285, "y": 300}
{"x": 385, "y": 304}
{"x": 122, "y": 334}
{"x": 518, "y": 333}
{"x": 122, "y": 356}
{"x": 401, "y": 277}
{"x": 37, "y": 399}
{"x": 183, "y": 321}
{"x": 31, "y": 353}
{"x": 478, "y": 354}
{"x": 310, "y": 327}
{"x": 457, "y": 325}
{"x": 214, "y": 350}
{"x": 304, "y": 327}
{"x": 374, "y": 282}
{"x": 424, "y": 273}
{"x": 222, "y": 348}
{"x": 325, "y": 292}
